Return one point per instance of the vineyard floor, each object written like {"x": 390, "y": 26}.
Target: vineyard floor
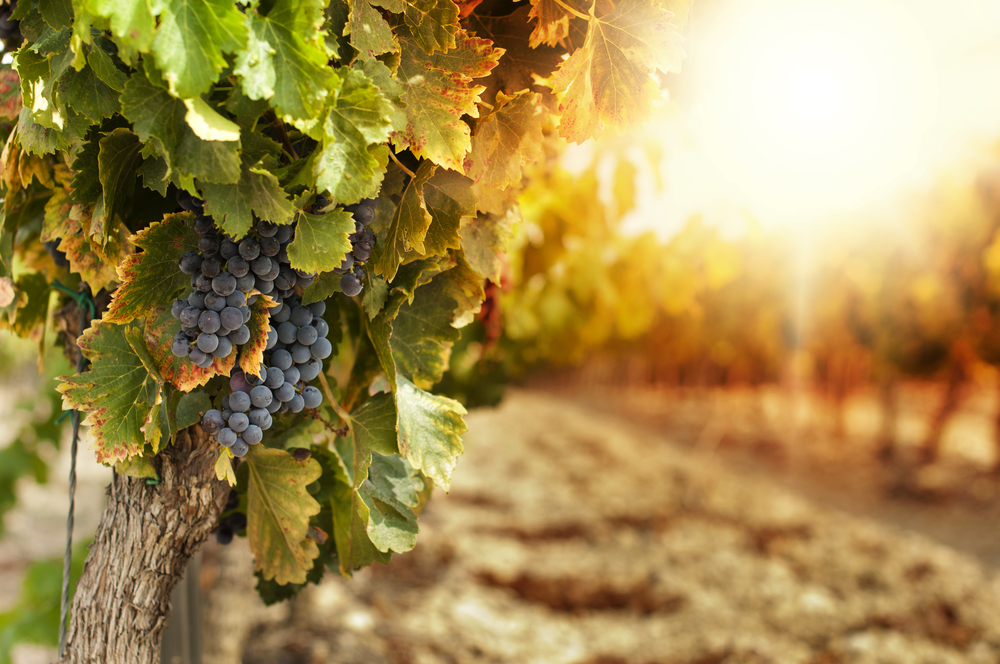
{"x": 640, "y": 527}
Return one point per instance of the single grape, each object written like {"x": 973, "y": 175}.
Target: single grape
{"x": 283, "y": 255}
{"x": 224, "y": 405}
{"x": 266, "y": 228}
{"x": 273, "y": 408}
{"x": 362, "y": 251}
{"x": 239, "y": 402}
{"x": 226, "y": 436}
{"x": 215, "y": 302}
{"x": 350, "y": 284}
{"x": 197, "y": 299}
{"x": 228, "y": 249}
{"x": 260, "y": 265}
{"x": 287, "y": 293}
{"x": 191, "y": 332}
{"x": 264, "y": 286}
{"x": 311, "y": 397}
{"x": 180, "y": 347}
{"x": 306, "y": 281}
{"x": 240, "y": 448}
{"x": 364, "y": 215}
{"x": 224, "y": 284}
{"x": 184, "y": 200}
{"x": 231, "y": 318}
{"x": 345, "y": 265}
{"x": 359, "y": 272}
{"x": 237, "y": 521}
{"x": 198, "y": 357}
{"x": 300, "y": 353}
{"x": 285, "y": 278}
{"x": 236, "y": 299}
{"x": 238, "y": 422}
{"x": 369, "y": 237}
{"x": 238, "y": 383}
{"x": 237, "y": 266}
{"x": 233, "y": 501}
{"x": 211, "y": 266}
{"x": 224, "y": 349}
{"x": 283, "y": 408}
{"x": 253, "y": 434}
{"x": 275, "y": 377}
{"x": 189, "y": 316}
{"x": 301, "y": 316}
{"x": 281, "y": 359}
{"x": 284, "y": 234}
{"x": 272, "y": 338}
{"x": 287, "y": 332}
{"x": 310, "y": 369}
{"x": 202, "y": 283}
{"x": 189, "y": 262}
{"x": 207, "y": 343}
{"x": 246, "y": 283}
{"x": 177, "y": 307}
{"x": 226, "y": 414}
{"x": 318, "y": 308}
{"x": 322, "y": 329}
{"x": 212, "y": 421}
{"x": 209, "y": 322}
{"x": 306, "y": 335}
{"x": 296, "y": 403}
{"x": 321, "y": 349}
{"x": 245, "y": 311}
{"x": 249, "y": 249}
{"x": 258, "y": 416}
{"x": 260, "y": 396}
{"x": 240, "y": 335}
{"x": 208, "y": 244}
{"x": 284, "y": 393}
{"x": 292, "y": 375}
{"x": 224, "y": 534}
{"x": 273, "y": 273}
{"x": 203, "y": 224}
{"x": 269, "y": 246}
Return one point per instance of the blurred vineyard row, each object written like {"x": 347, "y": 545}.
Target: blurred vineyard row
{"x": 869, "y": 303}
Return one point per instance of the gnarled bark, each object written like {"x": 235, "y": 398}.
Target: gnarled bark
{"x": 145, "y": 538}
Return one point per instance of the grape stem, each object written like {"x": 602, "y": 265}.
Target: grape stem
{"x": 400, "y": 164}
{"x": 328, "y": 393}
{"x": 279, "y": 129}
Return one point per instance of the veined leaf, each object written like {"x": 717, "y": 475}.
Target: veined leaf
{"x": 132, "y": 22}
{"x": 321, "y": 241}
{"x": 430, "y": 427}
{"x": 607, "y": 82}
{"x": 159, "y": 332}
{"x": 484, "y": 242}
{"x": 151, "y": 279}
{"x": 278, "y": 511}
{"x": 374, "y": 424}
{"x": 448, "y": 196}
{"x": 507, "y": 139}
{"x": 438, "y": 91}
{"x": 118, "y": 163}
{"x": 401, "y": 228}
{"x": 370, "y": 33}
{"x": 422, "y": 334}
{"x": 433, "y": 23}
{"x": 252, "y": 352}
{"x": 257, "y": 192}
{"x": 553, "y": 23}
{"x": 391, "y": 493}
{"x": 117, "y": 391}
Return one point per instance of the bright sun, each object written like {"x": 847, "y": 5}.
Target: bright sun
{"x": 812, "y": 106}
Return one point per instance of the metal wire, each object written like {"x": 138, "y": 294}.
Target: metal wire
{"x": 81, "y": 364}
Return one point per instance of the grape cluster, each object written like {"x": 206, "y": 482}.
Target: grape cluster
{"x": 362, "y": 244}
{"x": 224, "y": 272}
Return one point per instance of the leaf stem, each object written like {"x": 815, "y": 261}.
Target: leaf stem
{"x": 572, "y": 11}
{"x": 329, "y": 396}
{"x": 279, "y": 128}
{"x": 400, "y": 164}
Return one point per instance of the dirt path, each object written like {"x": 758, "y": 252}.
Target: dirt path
{"x": 571, "y": 536}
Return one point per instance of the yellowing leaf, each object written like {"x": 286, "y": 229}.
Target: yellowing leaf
{"x": 224, "y": 466}
{"x": 278, "y": 511}
{"x": 607, "y": 81}
{"x": 509, "y": 138}
{"x": 207, "y": 123}
{"x": 553, "y": 23}
{"x": 429, "y": 429}
{"x": 252, "y": 352}
{"x": 159, "y": 332}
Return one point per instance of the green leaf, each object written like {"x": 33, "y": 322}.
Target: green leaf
{"x": 325, "y": 285}
{"x": 374, "y": 424}
{"x": 278, "y": 511}
{"x": 190, "y": 408}
{"x": 422, "y": 335}
{"x": 433, "y": 23}
{"x": 350, "y": 513}
{"x": 87, "y": 94}
{"x": 285, "y": 60}
{"x": 429, "y": 429}
{"x": 257, "y": 192}
{"x": 401, "y": 228}
{"x": 350, "y": 166}
{"x": 137, "y": 466}
{"x": 118, "y": 162}
{"x": 484, "y": 242}
{"x": 465, "y": 286}
{"x": 105, "y": 69}
{"x": 369, "y": 31}
{"x": 132, "y": 21}
{"x": 118, "y": 392}
{"x": 40, "y": 140}
{"x": 507, "y": 139}
{"x": 151, "y": 279}
{"x": 191, "y": 40}
{"x": 448, "y": 197}
{"x": 374, "y": 295}
{"x": 391, "y": 494}
{"x": 321, "y": 241}
{"x": 438, "y": 91}
{"x": 57, "y": 13}
{"x": 159, "y": 117}
{"x": 207, "y": 123}
{"x": 607, "y": 82}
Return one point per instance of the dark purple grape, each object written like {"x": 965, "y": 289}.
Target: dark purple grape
{"x": 359, "y": 272}
{"x": 292, "y": 375}
{"x": 224, "y": 534}
{"x": 246, "y": 283}
{"x": 322, "y": 329}
{"x": 321, "y": 349}
{"x": 237, "y": 266}
{"x": 301, "y": 316}
{"x": 208, "y": 244}
{"x": 184, "y": 200}
{"x": 189, "y": 262}
{"x": 256, "y": 380}
{"x": 209, "y": 322}
{"x": 311, "y": 397}
{"x": 306, "y": 336}
{"x": 259, "y": 417}
{"x": 197, "y": 299}
{"x": 275, "y": 377}
{"x": 202, "y": 283}
{"x": 207, "y": 343}
{"x": 240, "y": 448}
{"x": 203, "y": 224}
{"x": 189, "y": 316}
{"x": 285, "y": 279}
{"x": 245, "y": 311}
{"x": 253, "y": 434}
{"x": 350, "y": 284}
{"x": 238, "y": 383}
{"x": 239, "y": 402}
{"x": 318, "y": 308}
{"x": 310, "y": 369}
{"x": 231, "y": 318}
{"x": 287, "y": 332}
{"x": 260, "y": 396}
{"x": 224, "y": 349}
{"x": 191, "y": 332}
{"x": 272, "y": 338}
{"x": 215, "y": 302}
{"x": 362, "y": 251}
{"x": 177, "y": 307}
{"x": 364, "y": 215}
{"x": 266, "y": 228}
{"x": 237, "y": 521}
{"x": 283, "y": 255}
{"x": 269, "y": 246}
{"x": 212, "y": 421}
{"x": 273, "y": 273}
{"x": 305, "y": 282}
{"x": 228, "y": 249}
{"x": 296, "y": 403}
{"x": 236, "y": 299}
{"x": 240, "y": 335}
{"x": 300, "y": 353}
{"x": 284, "y": 234}
{"x": 226, "y": 414}
{"x": 180, "y": 347}
{"x": 282, "y": 314}
{"x": 281, "y": 359}
{"x": 264, "y": 286}
{"x": 238, "y": 422}
{"x": 224, "y": 284}
{"x": 226, "y": 436}
{"x": 273, "y": 408}
{"x": 249, "y": 249}
{"x": 211, "y": 266}
{"x": 284, "y": 393}
{"x": 198, "y": 357}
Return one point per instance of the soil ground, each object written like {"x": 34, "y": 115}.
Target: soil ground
{"x": 644, "y": 527}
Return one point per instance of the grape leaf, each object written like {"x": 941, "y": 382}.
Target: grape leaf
{"x": 118, "y": 161}
{"x": 10, "y": 93}
{"x": 60, "y": 224}
{"x": 448, "y": 197}
{"x": 252, "y": 352}
{"x": 391, "y": 493}
{"x": 37, "y": 139}
{"x": 484, "y": 242}
{"x": 374, "y": 424}
{"x": 257, "y": 192}
{"x": 422, "y": 334}
{"x": 87, "y": 94}
{"x": 132, "y": 21}
{"x": 321, "y": 240}
{"x": 28, "y": 304}
{"x": 159, "y": 332}
{"x": 285, "y": 60}
{"x": 401, "y": 228}
{"x": 117, "y": 391}
{"x": 374, "y": 295}
{"x": 350, "y": 166}
{"x": 507, "y": 139}
{"x": 433, "y": 23}
{"x": 607, "y": 82}
{"x": 429, "y": 429}
{"x": 159, "y": 117}
{"x": 190, "y": 41}
{"x": 370, "y": 33}
{"x": 553, "y": 23}
{"x": 224, "y": 466}
{"x": 278, "y": 511}
{"x": 438, "y": 91}
{"x": 465, "y": 286}
{"x": 351, "y": 515}
{"x": 137, "y": 466}
{"x": 151, "y": 279}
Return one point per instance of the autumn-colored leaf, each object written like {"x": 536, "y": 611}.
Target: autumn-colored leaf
{"x": 252, "y": 352}
{"x": 159, "y": 332}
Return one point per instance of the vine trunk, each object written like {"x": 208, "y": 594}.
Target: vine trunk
{"x": 145, "y": 538}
